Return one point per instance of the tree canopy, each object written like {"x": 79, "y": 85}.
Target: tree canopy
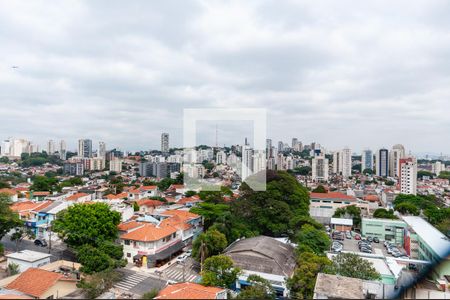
{"x": 383, "y": 213}
{"x": 210, "y": 243}
{"x": 8, "y": 218}
{"x": 315, "y": 239}
{"x": 259, "y": 288}
{"x": 219, "y": 271}
{"x": 352, "y": 265}
{"x": 351, "y": 211}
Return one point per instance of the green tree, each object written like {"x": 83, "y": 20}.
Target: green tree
{"x": 320, "y": 189}
{"x": 43, "y": 183}
{"x": 421, "y": 174}
{"x": 444, "y": 175}
{"x": 8, "y": 218}
{"x": 260, "y": 288}
{"x": 165, "y": 183}
{"x": 317, "y": 240}
{"x": 96, "y": 284}
{"x": 301, "y": 284}
{"x": 4, "y": 185}
{"x": 384, "y": 214}
{"x": 351, "y": 211}
{"x": 210, "y": 212}
{"x": 190, "y": 193}
{"x": 19, "y": 234}
{"x": 89, "y": 224}
{"x": 219, "y": 271}
{"x": 209, "y": 243}
{"x": 135, "y": 206}
{"x": 13, "y": 269}
{"x": 352, "y": 265}
{"x": 151, "y": 294}
{"x": 407, "y": 208}
{"x": 368, "y": 171}
{"x": 4, "y": 160}
{"x": 93, "y": 260}
{"x": 304, "y": 170}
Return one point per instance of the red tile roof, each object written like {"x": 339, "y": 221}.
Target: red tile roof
{"x": 10, "y": 192}
{"x": 149, "y": 233}
{"x": 149, "y": 203}
{"x": 331, "y": 195}
{"x": 34, "y": 282}
{"x": 118, "y": 196}
{"x": 188, "y": 290}
{"x": 76, "y": 196}
{"x": 41, "y": 193}
{"x": 129, "y": 225}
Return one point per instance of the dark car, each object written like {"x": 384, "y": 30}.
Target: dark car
{"x": 376, "y": 240}
{"x": 41, "y": 243}
{"x": 369, "y": 239}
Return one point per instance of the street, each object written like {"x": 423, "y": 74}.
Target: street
{"x": 137, "y": 283}
{"x": 58, "y": 251}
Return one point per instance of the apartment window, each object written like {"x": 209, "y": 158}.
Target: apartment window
{"x": 126, "y": 242}
{"x": 128, "y": 254}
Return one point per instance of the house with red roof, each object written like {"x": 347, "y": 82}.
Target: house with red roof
{"x": 143, "y": 192}
{"x": 190, "y": 290}
{"x": 79, "y": 198}
{"x": 39, "y": 284}
{"x": 11, "y": 193}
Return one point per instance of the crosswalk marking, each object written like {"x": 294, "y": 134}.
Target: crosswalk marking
{"x": 177, "y": 275}
{"x": 130, "y": 281}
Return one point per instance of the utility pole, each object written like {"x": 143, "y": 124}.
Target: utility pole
{"x": 49, "y": 230}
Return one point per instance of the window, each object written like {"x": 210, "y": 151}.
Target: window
{"x": 126, "y": 242}
{"x": 128, "y": 254}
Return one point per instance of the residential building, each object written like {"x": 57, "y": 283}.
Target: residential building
{"x": 247, "y": 162}
{"x": 26, "y": 259}
{"x": 85, "y": 148}
{"x": 62, "y": 150}
{"x": 294, "y": 143}
{"x": 73, "y": 168}
{"x": 97, "y": 164}
{"x": 15, "y": 147}
{"x": 280, "y": 146}
{"x": 320, "y": 168}
{"x": 438, "y": 167}
{"x": 367, "y": 160}
{"x": 397, "y": 153}
{"x": 337, "y": 162}
{"x": 101, "y": 150}
{"x": 266, "y": 257}
{"x": 115, "y": 165}
{"x": 51, "y": 147}
{"x": 221, "y": 158}
{"x": 40, "y": 284}
{"x": 269, "y": 148}
{"x": 164, "y": 142}
{"x": 190, "y": 290}
{"x": 259, "y": 161}
{"x": 382, "y": 163}
{"x": 346, "y": 162}
{"x": 408, "y": 175}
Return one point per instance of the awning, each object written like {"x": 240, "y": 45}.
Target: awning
{"x": 167, "y": 252}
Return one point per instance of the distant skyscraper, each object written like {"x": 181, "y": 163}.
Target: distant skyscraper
{"x": 247, "y": 162}
{"x": 294, "y": 142}
{"x": 85, "y": 148}
{"x": 346, "y": 162}
{"x": 438, "y": 167}
{"x": 62, "y": 150}
{"x": 280, "y": 146}
{"x": 221, "y": 158}
{"x": 408, "y": 176}
{"x": 15, "y": 147}
{"x": 366, "y": 160}
{"x": 50, "y": 147}
{"x": 269, "y": 148}
{"x": 397, "y": 153}
{"x": 320, "y": 168}
{"x": 382, "y": 160}
{"x": 337, "y": 162}
{"x": 165, "y": 142}
{"x": 259, "y": 161}
{"x": 101, "y": 150}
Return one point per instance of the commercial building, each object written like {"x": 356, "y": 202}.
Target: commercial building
{"x": 26, "y": 259}
{"x": 408, "y": 176}
{"x": 367, "y": 160}
{"x": 323, "y": 205}
{"x": 423, "y": 241}
{"x": 382, "y": 163}
{"x": 266, "y": 257}
{"x": 346, "y": 162}
{"x": 384, "y": 229}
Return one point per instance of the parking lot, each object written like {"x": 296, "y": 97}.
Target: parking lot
{"x": 377, "y": 248}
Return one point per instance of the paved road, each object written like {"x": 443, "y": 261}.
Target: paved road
{"x": 138, "y": 283}
{"x": 181, "y": 273}
{"x": 58, "y": 251}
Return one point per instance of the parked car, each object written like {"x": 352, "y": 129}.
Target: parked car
{"x": 40, "y": 242}
{"x": 348, "y": 235}
{"x": 376, "y": 240}
{"x": 369, "y": 238}
{"x": 366, "y": 250}
{"x": 357, "y": 237}
{"x": 181, "y": 258}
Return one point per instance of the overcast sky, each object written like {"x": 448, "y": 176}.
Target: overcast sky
{"x": 341, "y": 73}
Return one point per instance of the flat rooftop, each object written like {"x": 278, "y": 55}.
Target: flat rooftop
{"x": 28, "y": 255}
{"x": 430, "y": 235}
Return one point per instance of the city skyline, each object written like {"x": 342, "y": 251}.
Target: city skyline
{"x": 123, "y": 75}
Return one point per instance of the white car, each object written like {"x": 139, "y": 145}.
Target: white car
{"x": 181, "y": 258}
